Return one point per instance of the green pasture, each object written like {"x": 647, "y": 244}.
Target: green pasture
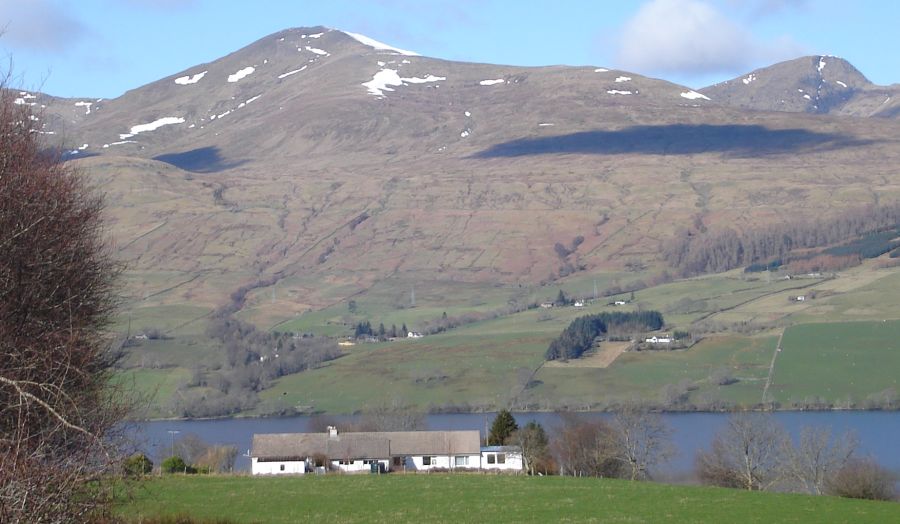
{"x": 488, "y": 363}
{"x": 642, "y": 375}
{"x": 477, "y": 498}
{"x": 838, "y": 360}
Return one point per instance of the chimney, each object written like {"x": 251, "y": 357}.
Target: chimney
{"x": 332, "y": 432}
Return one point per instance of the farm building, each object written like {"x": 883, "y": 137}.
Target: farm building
{"x": 658, "y": 340}
{"x": 299, "y": 453}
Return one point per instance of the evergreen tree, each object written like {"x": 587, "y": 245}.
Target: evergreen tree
{"x": 393, "y": 332}
{"x": 561, "y": 298}
{"x": 403, "y": 330}
{"x": 503, "y": 427}
{"x": 381, "y": 330}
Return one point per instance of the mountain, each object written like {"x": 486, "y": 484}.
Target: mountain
{"x": 321, "y": 163}
{"x": 810, "y": 84}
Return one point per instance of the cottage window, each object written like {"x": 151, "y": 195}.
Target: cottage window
{"x": 501, "y": 458}
{"x": 461, "y": 461}
{"x": 346, "y": 462}
{"x": 398, "y": 461}
{"x": 281, "y": 467}
{"x": 428, "y": 461}
{"x": 491, "y": 458}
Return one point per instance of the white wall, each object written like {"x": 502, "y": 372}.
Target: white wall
{"x": 297, "y": 467}
{"x": 416, "y": 463}
{"x": 513, "y": 461}
{"x": 357, "y": 466}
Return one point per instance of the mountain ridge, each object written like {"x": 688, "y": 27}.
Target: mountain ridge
{"x": 332, "y": 165}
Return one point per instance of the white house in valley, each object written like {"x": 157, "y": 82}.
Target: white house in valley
{"x": 300, "y": 453}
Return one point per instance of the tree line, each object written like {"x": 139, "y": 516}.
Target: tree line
{"x": 579, "y": 336}
{"x": 697, "y": 250}
{"x": 752, "y": 452}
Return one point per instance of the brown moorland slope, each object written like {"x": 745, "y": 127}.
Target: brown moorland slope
{"x": 326, "y": 165}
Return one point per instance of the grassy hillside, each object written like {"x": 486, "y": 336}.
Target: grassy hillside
{"x": 480, "y": 498}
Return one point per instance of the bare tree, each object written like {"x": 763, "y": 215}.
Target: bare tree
{"x": 643, "y": 440}
{"x": 748, "y": 454}
{"x": 586, "y": 448}
{"x": 818, "y": 456}
{"x": 535, "y": 447}
{"x": 57, "y": 408}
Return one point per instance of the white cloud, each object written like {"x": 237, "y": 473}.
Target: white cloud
{"x": 39, "y": 25}
{"x": 692, "y": 37}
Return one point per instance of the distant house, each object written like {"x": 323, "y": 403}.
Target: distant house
{"x": 658, "y": 340}
{"x": 619, "y": 303}
{"x": 578, "y": 303}
{"x": 800, "y": 298}
{"x": 346, "y": 343}
{"x": 414, "y": 334}
{"x": 546, "y": 305}
{"x": 299, "y": 453}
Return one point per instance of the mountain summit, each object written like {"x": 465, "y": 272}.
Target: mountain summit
{"x": 810, "y": 84}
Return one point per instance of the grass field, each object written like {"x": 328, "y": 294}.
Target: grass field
{"x": 480, "y": 498}
{"x": 838, "y": 360}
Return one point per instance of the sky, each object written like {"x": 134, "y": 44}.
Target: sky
{"x": 102, "y": 48}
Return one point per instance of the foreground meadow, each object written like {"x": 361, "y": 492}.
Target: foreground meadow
{"x": 479, "y": 498}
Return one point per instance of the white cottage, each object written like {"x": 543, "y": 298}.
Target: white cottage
{"x": 299, "y": 453}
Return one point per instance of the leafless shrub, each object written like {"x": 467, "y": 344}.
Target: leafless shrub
{"x": 862, "y": 479}
{"x": 57, "y": 409}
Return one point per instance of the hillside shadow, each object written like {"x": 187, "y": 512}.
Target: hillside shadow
{"x": 200, "y": 160}
{"x": 678, "y": 139}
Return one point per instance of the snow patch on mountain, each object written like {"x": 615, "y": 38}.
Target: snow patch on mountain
{"x": 365, "y": 40}
{"x": 152, "y": 126}
{"x": 429, "y": 78}
{"x": 289, "y": 73}
{"x": 491, "y": 82}
{"x": 241, "y": 74}
{"x": 389, "y": 77}
{"x": 751, "y": 77}
{"x": 693, "y": 95}
{"x": 821, "y": 65}
{"x": 317, "y": 51}
{"x": 189, "y": 79}
{"x": 23, "y": 99}
{"x": 618, "y": 92}
{"x": 840, "y": 83}
{"x": 621, "y": 79}
{"x": 85, "y": 105}
{"x": 601, "y": 70}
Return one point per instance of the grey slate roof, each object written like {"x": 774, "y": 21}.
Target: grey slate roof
{"x": 365, "y": 445}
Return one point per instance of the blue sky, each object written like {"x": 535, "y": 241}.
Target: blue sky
{"x": 101, "y": 48}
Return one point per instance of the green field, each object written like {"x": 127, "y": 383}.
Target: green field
{"x": 838, "y": 361}
{"x": 499, "y": 362}
{"x": 480, "y": 498}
